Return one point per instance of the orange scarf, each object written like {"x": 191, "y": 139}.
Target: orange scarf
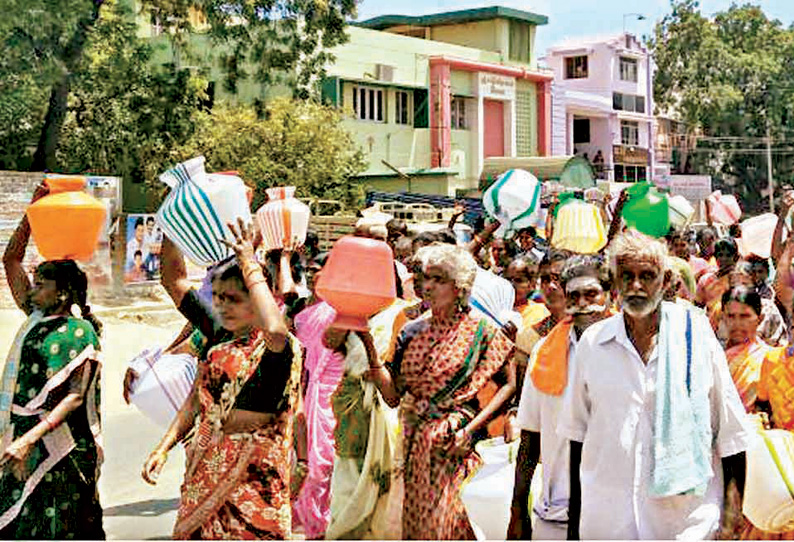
{"x": 550, "y": 371}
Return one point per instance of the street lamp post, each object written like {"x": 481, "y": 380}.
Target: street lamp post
{"x": 638, "y": 16}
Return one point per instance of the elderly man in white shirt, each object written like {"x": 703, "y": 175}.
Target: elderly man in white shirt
{"x": 655, "y": 422}
{"x": 585, "y": 281}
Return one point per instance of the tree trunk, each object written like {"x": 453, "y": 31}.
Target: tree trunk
{"x": 44, "y": 157}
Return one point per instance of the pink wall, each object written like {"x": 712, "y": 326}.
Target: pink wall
{"x": 440, "y": 103}
{"x": 440, "y": 115}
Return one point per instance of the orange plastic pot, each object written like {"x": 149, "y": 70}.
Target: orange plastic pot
{"x": 67, "y": 223}
{"x": 357, "y": 281}
{"x": 65, "y": 183}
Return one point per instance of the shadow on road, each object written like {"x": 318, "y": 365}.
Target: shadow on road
{"x": 148, "y": 508}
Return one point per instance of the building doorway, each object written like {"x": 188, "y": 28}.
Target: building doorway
{"x": 494, "y": 137}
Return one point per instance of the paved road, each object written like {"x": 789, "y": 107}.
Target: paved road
{"x": 133, "y": 509}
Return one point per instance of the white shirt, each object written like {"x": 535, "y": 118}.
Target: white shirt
{"x": 609, "y": 408}
{"x": 539, "y": 412}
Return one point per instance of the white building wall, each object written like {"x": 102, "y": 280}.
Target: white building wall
{"x": 591, "y": 97}
{"x": 559, "y": 126}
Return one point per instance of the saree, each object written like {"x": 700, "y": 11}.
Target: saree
{"x": 776, "y": 386}
{"x": 366, "y": 488}
{"x": 532, "y": 313}
{"x": 237, "y": 485}
{"x": 59, "y": 498}
{"x": 771, "y": 329}
{"x": 440, "y": 372}
{"x": 745, "y": 361}
{"x": 324, "y": 366}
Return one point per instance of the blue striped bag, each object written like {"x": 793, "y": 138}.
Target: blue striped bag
{"x": 195, "y": 212}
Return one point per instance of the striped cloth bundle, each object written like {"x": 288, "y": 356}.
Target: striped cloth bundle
{"x": 196, "y": 211}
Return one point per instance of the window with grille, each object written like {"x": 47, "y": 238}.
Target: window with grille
{"x": 526, "y": 113}
{"x": 459, "y": 121}
{"x": 630, "y": 133}
{"x": 628, "y": 102}
{"x": 630, "y": 174}
{"x": 368, "y": 103}
{"x": 576, "y": 67}
{"x": 403, "y": 107}
{"x": 628, "y": 69}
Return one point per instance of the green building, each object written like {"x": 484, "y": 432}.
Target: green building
{"x": 428, "y": 98}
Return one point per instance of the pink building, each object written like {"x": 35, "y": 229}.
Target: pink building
{"x": 602, "y": 101}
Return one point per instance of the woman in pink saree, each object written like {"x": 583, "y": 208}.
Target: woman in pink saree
{"x": 324, "y": 368}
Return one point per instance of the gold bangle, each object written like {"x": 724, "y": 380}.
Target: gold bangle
{"x": 256, "y": 282}
{"x": 50, "y": 425}
{"x": 254, "y": 274}
{"x": 249, "y": 270}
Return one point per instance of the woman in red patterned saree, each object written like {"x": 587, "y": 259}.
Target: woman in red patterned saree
{"x": 238, "y": 421}
{"x": 440, "y": 365}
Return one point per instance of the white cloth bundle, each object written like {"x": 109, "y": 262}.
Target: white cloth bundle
{"x": 513, "y": 200}
{"x": 488, "y": 494}
{"x": 493, "y": 297}
{"x": 164, "y": 382}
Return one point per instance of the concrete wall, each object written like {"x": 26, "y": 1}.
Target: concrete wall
{"x": 16, "y": 189}
{"x": 357, "y": 58}
{"x": 492, "y": 35}
{"x": 559, "y": 129}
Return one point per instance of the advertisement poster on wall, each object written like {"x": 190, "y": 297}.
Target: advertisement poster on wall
{"x": 142, "y": 253}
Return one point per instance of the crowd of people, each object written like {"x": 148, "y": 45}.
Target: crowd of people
{"x": 628, "y": 375}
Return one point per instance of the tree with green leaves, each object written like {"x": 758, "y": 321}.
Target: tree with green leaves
{"x": 77, "y": 81}
{"x": 76, "y": 78}
{"x": 271, "y": 41}
{"x": 731, "y": 80}
{"x": 297, "y": 143}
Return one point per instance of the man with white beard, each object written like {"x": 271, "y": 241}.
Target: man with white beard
{"x": 585, "y": 282}
{"x": 654, "y": 419}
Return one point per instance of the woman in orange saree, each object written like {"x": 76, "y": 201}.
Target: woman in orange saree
{"x": 238, "y": 421}
{"x": 753, "y": 363}
{"x": 744, "y": 349}
{"x": 440, "y": 365}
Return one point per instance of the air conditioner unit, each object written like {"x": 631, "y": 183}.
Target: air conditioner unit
{"x": 384, "y": 72}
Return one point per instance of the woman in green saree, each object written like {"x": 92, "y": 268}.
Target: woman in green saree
{"x": 49, "y": 405}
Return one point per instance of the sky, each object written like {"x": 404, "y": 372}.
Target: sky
{"x": 574, "y": 18}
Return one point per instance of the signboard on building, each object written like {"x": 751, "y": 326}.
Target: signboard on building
{"x": 692, "y": 187}
{"x": 633, "y": 156}
{"x": 496, "y": 86}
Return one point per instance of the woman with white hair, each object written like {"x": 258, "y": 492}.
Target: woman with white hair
{"x": 440, "y": 365}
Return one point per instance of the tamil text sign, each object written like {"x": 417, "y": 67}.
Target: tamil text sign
{"x": 692, "y": 187}
{"x": 497, "y": 86}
